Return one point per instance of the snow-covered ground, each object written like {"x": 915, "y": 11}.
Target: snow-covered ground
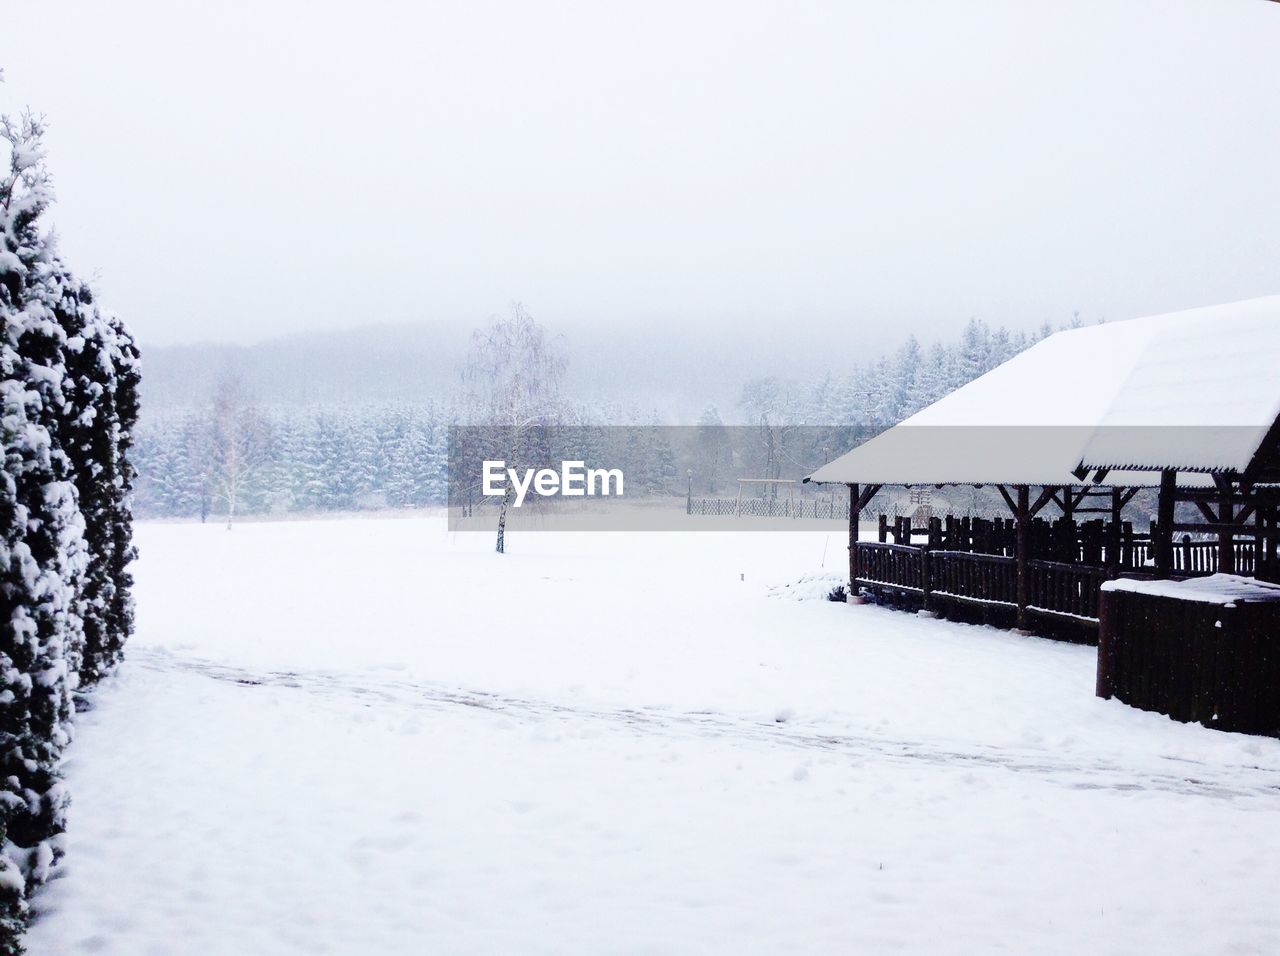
{"x": 377, "y": 737}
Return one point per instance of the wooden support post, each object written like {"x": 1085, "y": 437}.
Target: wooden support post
{"x": 926, "y": 577}
{"x": 1022, "y": 515}
{"x": 854, "y": 516}
{"x": 1261, "y": 541}
{"x": 1226, "y": 540}
{"x": 1113, "y": 534}
{"x": 1107, "y": 649}
{"x": 1163, "y": 543}
{"x": 1266, "y": 542}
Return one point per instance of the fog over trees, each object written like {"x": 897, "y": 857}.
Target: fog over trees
{"x": 360, "y": 422}
{"x": 676, "y": 373}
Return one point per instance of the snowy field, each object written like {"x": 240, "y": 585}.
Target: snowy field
{"x": 377, "y": 737}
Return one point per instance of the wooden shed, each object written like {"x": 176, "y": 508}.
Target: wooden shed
{"x": 1068, "y": 432}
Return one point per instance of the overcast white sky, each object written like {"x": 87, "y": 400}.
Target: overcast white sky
{"x": 234, "y": 171}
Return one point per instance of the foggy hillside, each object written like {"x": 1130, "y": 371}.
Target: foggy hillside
{"x": 675, "y": 373}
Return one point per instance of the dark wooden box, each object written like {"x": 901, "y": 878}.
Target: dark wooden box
{"x": 1205, "y": 651}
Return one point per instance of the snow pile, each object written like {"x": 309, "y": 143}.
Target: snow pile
{"x": 816, "y": 586}
{"x": 1213, "y": 589}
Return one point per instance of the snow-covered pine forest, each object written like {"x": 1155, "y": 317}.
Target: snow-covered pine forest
{"x": 69, "y": 377}
{"x": 355, "y": 456}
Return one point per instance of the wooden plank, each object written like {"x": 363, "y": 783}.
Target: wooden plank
{"x": 1008, "y": 499}
{"x": 1164, "y": 523}
{"x": 1226, "y": 543}
{"x": 1215, "y": 527}
{"x": 868, "y": 492}
{"x": 855, "y": 514}
{"x": 1022, "y": 550}
{"x": 1208, "y": 512}
{"x": 1046, "y": 495}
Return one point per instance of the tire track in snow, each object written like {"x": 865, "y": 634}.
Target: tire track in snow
{"x": 1175, "y": 774}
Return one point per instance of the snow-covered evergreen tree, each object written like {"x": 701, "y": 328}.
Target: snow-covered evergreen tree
{"x": 128, "y": 406}
{"x": 43, "y": 557}
{"x": 99, "y": 413}
{"x": 64, "y": 441}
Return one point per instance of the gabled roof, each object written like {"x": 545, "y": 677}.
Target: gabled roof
{"x": 1200, "y": 397}
{"x": 1194, "y": 390}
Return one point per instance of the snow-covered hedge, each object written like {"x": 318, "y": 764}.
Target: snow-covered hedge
{"x": 68, "y": 404}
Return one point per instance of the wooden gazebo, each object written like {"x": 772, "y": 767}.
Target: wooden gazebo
{"x": 1068, "y": 433}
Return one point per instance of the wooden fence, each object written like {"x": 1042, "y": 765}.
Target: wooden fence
{"x": 1216, "y": 664}
{"x": 1071, "y": 589}
{"x": 1064, "y": 541}
{"x": 893, "y": 565}
{"x": 980, "y": 578}
{"x": 779, "y": 507}
{"x": 934, "y": 579}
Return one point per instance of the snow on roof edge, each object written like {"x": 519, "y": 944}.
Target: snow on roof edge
{"x": 1145, "y": 367}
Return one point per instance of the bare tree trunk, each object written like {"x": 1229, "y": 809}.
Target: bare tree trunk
{"x": 506, "y": 493}
{"x": 513, "y": 377}
{"x": 231, "y": 486}
{"x": 237, "y": 444}
{"x": 502, "y": 521}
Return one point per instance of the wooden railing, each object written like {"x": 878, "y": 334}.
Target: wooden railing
{"x": 988, "y": 578}
{"x": 1201, "y": 557}
{"x": 1190, "y": 558}
{"x": 1058, "y": 588}
{"x": 894, "y": 565}
{"x": 820, "y": 508}
{"x": 1052, "y": 586}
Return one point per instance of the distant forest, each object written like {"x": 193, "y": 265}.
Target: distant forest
{"x": 228, "y": 455}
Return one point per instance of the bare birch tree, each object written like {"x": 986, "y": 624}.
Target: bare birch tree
{"x": 513, "y": 377}
{"x": 771, "y": 406}
{"x": 237, "y": 443}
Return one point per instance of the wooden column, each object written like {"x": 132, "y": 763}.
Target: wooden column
{"x": 1113, "y": 534}
{"x": 1266, "y": 566}
{"x": 1105, "y": 686}
{"x": 854, "y": 516}
{"x": 1022, "y": 514}
{"x": 1226, "y": 540}
{"x": 1259, "y": 541}
{"x": 926, "y": 577}
{"x": 1163, "y": 544}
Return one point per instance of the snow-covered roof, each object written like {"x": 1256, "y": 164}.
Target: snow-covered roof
{"x": 1195, "y": 390}
{"x": 1201, "y": 395}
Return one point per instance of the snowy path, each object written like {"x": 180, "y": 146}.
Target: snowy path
{"x": 1171, "y": 774}
{"x": 577, "y": 749}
